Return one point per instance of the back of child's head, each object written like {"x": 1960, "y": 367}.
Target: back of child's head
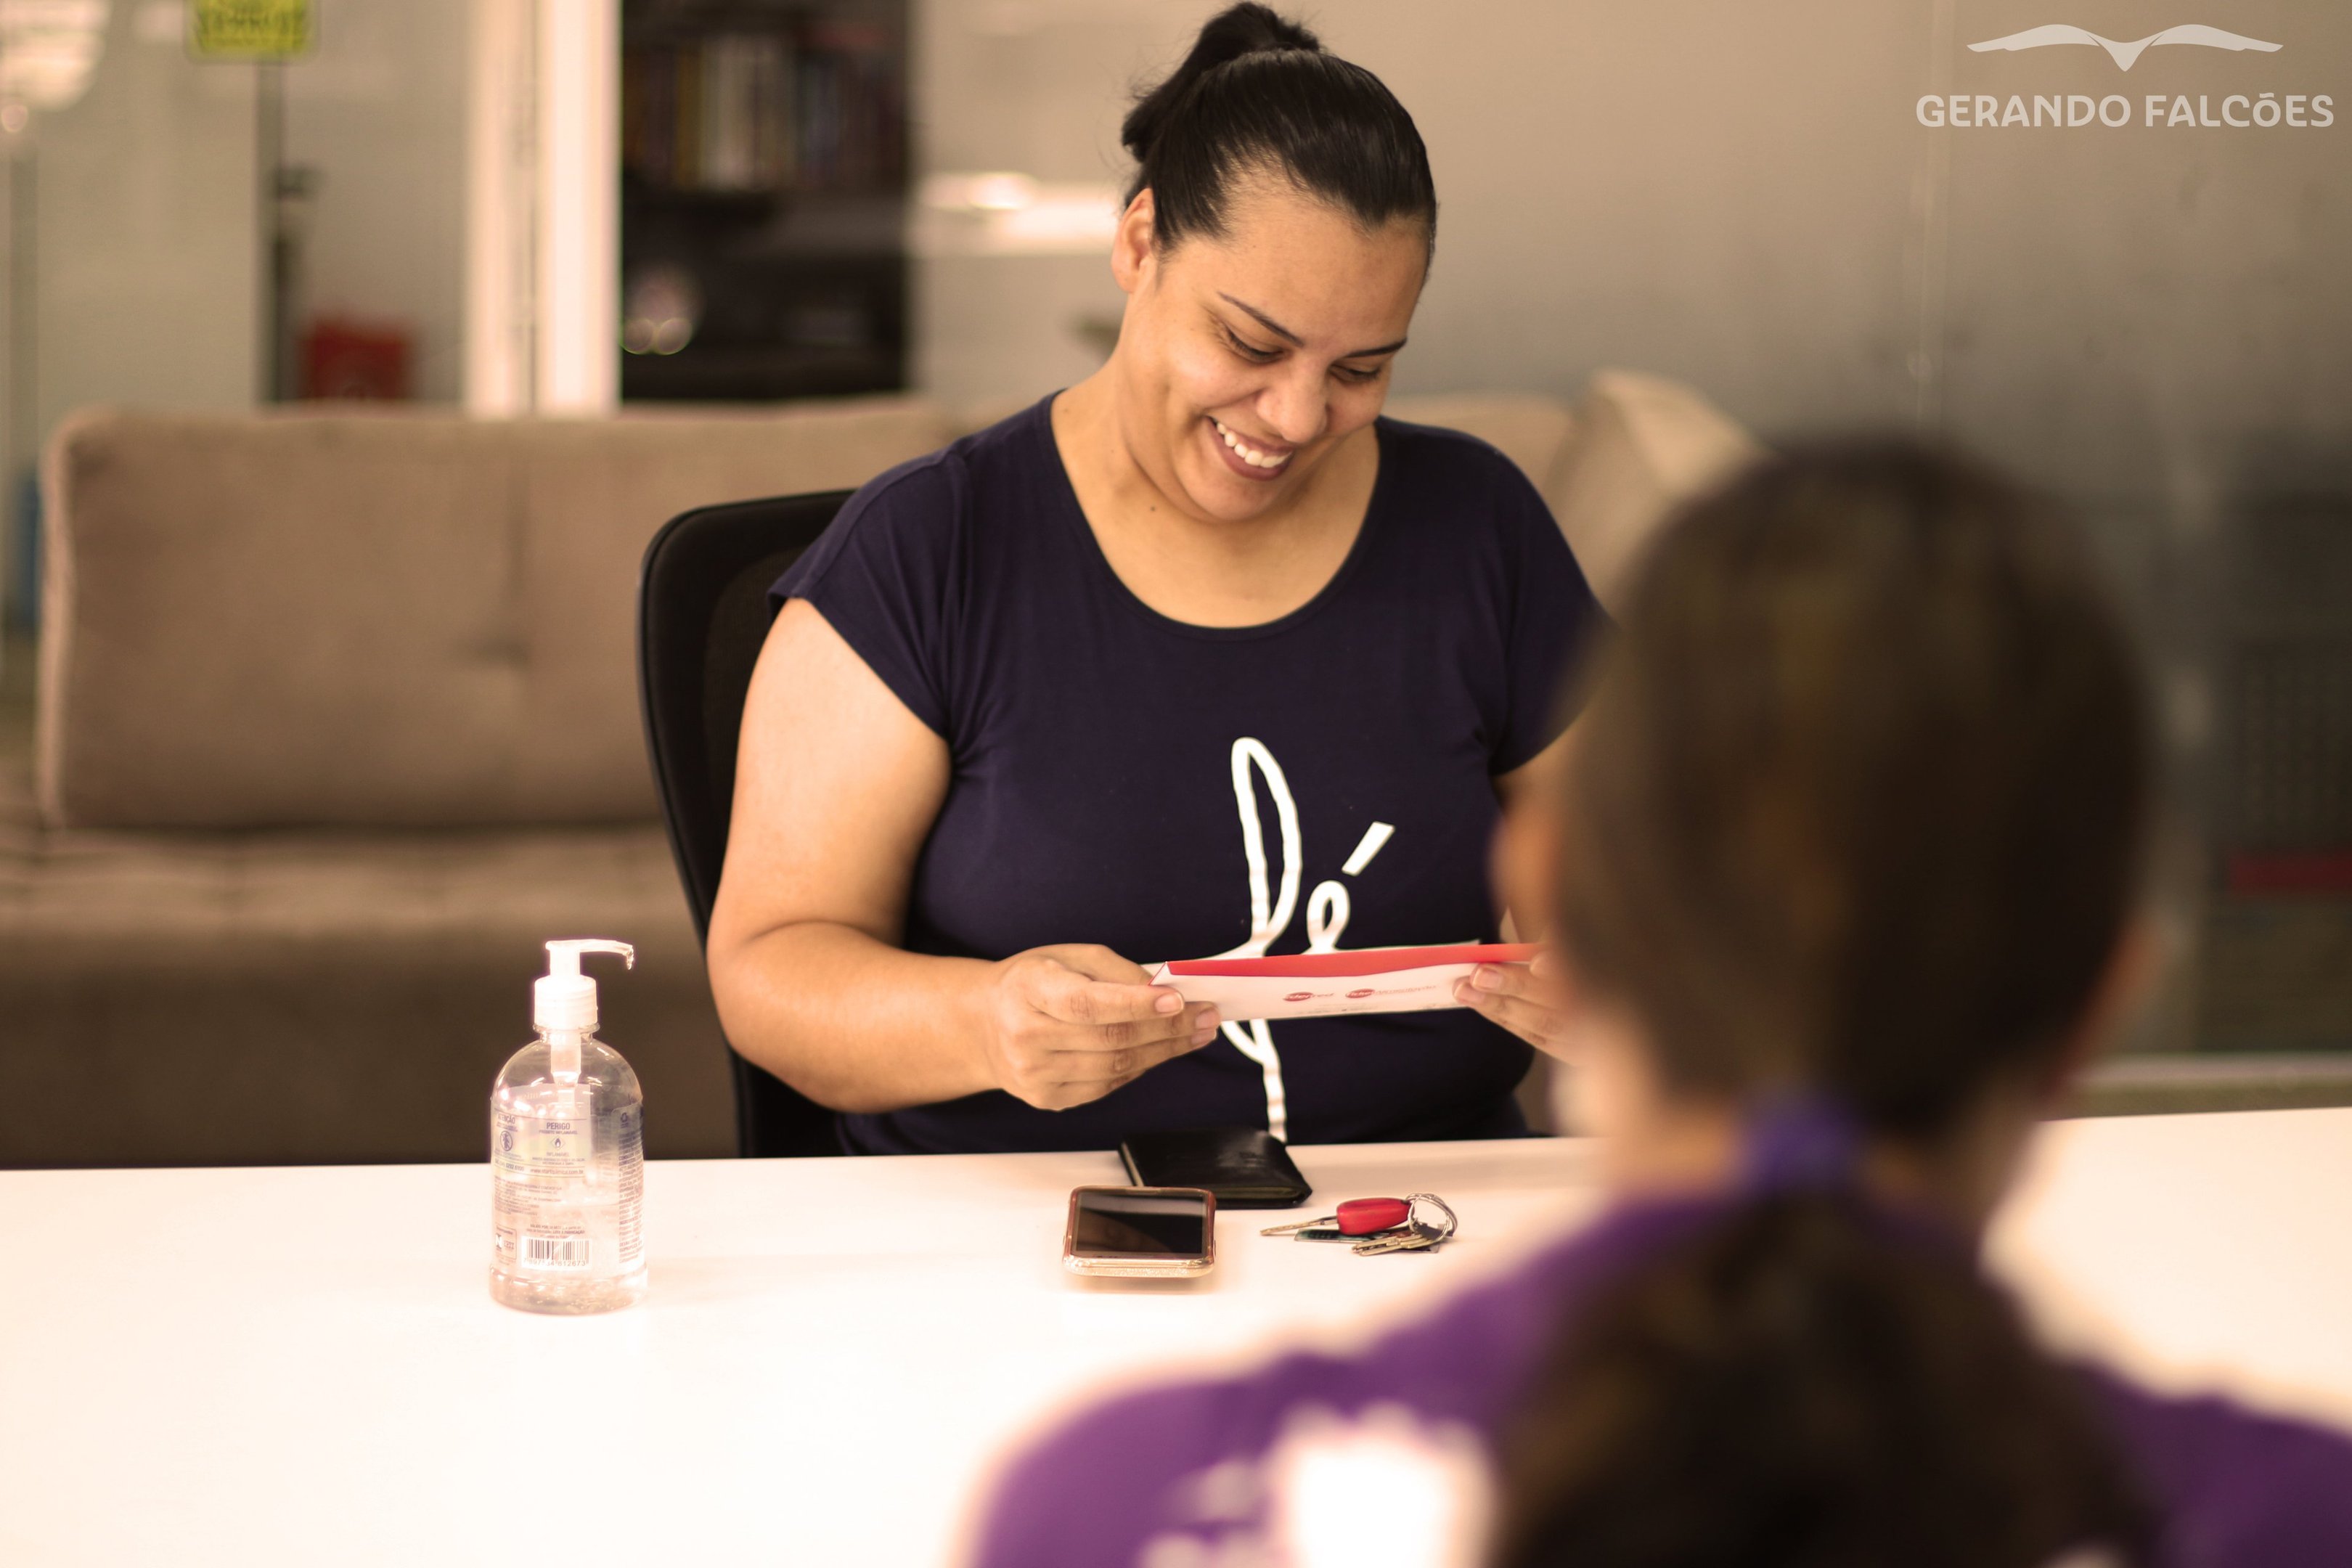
{"x": 1852, "y": 831}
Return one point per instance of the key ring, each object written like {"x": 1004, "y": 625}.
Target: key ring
{"x": 1412, "y": 1205}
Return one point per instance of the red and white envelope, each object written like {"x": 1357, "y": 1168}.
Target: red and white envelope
{"x": 1318, "y": 984}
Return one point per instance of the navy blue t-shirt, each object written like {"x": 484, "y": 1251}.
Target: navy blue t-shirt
{"x": 1101, "y": 753}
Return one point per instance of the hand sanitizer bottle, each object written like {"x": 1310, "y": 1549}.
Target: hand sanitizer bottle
{"x": 568, "y": 1155}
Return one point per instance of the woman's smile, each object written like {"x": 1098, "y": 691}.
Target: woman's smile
{"x": 1250, "y": 456}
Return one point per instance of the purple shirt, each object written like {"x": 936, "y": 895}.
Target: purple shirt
{"x": 1138, "y": 1481}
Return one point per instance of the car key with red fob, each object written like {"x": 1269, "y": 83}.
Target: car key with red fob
{"x": 1357, "y": 1217}
{"x": 1376, "y": 1225}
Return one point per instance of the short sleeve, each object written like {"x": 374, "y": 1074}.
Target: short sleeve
{"x": 884, "y": 577}
{"x": 1554, "y": 622}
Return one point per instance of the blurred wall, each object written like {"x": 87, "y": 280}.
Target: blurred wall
{"x": 379, "y": 111}
{"x": 1038, "y": 87}
{"x": 147, "y": 231}
{"x": 2154, "y": 320}
{"x": 149, "y": 247}
{"x": 1741, "y": 194}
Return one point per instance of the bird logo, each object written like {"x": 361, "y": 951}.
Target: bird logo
{"x": 2125, "y": 55}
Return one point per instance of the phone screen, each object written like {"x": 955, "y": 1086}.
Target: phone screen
{"x": 1141, "y": 1225}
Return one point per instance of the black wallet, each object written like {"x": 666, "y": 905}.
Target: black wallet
{"x": 1247, "y": 1167}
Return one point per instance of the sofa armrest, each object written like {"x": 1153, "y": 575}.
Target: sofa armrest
{"x": 1643, "y": 447}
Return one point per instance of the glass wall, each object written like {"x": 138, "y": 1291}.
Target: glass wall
{"x": 195, "y": 232}
{"x": 2116, "y": 266}
{"x": 2114, "y": 262}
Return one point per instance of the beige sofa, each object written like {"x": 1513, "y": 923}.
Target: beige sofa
{"x": 338, "y": 723}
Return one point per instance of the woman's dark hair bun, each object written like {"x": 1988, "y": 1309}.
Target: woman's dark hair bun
{"x": 1245, "y": 29}
{"x": 1258, "y": 90}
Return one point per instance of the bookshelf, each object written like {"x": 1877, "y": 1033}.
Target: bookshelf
{"x": 763, "y": 198}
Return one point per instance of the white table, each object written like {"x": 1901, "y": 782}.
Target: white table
{"x": 299, "y": 1366}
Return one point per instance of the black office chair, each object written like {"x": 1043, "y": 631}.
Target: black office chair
{"x": 702, "y": 616}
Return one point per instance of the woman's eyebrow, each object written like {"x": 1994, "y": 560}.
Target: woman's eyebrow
{"x": 1279, "y": 330}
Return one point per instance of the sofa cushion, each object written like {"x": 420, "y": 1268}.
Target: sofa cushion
{"x": 328, "y": 997}
{"x": 298, "y": 618}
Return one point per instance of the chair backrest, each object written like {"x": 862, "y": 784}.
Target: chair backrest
{"x": 702, "y": 617}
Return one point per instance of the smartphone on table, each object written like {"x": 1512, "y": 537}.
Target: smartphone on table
{"x": 1140, "y": 1232}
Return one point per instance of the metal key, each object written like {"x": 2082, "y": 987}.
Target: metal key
{"x": 1357, "y": 1217}
{"x": 1414, "y": 1237}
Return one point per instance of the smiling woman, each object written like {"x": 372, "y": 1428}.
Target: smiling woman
{"x": 1114, "y": 680}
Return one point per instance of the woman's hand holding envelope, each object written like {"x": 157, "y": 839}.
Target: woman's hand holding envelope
{"x": 1527, "y": 999}
{"x": 1062, "y": 1026}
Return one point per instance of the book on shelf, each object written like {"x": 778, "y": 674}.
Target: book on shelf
{"x": 816, "y": 108}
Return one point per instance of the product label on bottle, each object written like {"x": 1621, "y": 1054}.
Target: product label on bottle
{"x": 548, "y": 1148}
{"x": 566, "y": 1193}
{"x": 630, "y": 1141}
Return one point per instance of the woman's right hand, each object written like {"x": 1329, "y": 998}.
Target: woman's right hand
{"x": 1062, "y": 1026}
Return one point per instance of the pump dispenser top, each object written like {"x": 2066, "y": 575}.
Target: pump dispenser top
{"x": 563, "y": 998}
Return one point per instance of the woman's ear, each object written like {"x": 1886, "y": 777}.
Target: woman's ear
{"x": 1131, "y": 246}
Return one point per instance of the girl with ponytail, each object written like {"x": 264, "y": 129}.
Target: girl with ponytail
{"x": 1841, "y": 879}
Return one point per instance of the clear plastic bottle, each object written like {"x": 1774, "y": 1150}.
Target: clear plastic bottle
{"x": 567, "y": 1155}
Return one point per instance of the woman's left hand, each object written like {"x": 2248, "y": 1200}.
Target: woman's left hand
{"x": 1528, "y": 999}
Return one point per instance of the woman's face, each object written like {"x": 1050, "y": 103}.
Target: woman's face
{"x": 1246, "y": 358}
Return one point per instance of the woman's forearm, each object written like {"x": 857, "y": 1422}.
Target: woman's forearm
{"x": 852, "y": 1023}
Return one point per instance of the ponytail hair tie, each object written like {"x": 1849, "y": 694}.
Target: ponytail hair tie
{"x": 1805, "y": 1142}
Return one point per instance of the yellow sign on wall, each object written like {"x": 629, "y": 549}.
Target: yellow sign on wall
{"x": 249, "y": 30}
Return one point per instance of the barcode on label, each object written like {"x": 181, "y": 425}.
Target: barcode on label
{"x": 555, "y": 1251}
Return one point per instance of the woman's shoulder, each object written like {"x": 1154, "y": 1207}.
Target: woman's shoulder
{"x": 1455, "y": 509}
{"x": 1439, "y": 455}
{"x": 2236, "y": 1486}
{"x": 1464, "y": 491}
{"x": 926, "y": 506}
{"x": 942, "y": 485}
